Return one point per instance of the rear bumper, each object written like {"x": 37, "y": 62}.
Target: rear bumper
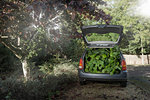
{"x": 103, "y": 77}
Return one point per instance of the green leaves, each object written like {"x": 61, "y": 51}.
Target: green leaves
{"x": 103, "y": 60}
{"x": 136, "y": 27}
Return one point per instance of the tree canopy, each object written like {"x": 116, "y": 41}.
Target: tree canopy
{"x": 23, "y": 22}
{"x": 136, "y": 28}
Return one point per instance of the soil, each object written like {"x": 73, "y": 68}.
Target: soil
{"x": 138, "y": 88}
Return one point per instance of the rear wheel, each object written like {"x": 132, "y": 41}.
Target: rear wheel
{"x": 123, "y": 84}
{"x": 82, "y": 81}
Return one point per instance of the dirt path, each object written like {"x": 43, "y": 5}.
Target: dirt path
{"x": 101, "y": 91}
{"x": 135, "y": 90}
{"x": 140, "y": 75}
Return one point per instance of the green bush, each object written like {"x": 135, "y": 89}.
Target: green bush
{"x": 74, "y": 49}
{"x": 46, "y": 67}
{"x": 103, "y": 60}
{"x": 7, "y": 59}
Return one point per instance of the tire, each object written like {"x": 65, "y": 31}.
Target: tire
{"x": 82, "y": 81}
{"x": 123, "y": 84}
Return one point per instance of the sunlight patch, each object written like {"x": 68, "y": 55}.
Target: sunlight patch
{"x": 143, "y": 8}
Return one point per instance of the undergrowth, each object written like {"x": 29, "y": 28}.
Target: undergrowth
{"x": 41, "y": 85}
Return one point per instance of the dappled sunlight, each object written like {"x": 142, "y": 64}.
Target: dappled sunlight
{"x": 47, "y": 39}
{"x": 143, "y": 8}
{"x": 51, "y": 24}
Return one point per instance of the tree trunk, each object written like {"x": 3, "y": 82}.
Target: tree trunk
{"x": 18, "y": 53}
{"x": 147, "y": 58}
{"x": 26, "y": 70}
{"x": 142, "y": 51}
{"x": 142, "y": 57}
{"x": 18, "y": 41}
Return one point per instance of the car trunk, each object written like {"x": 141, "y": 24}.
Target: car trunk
{"x": 102, "y": 56}
{"x": 101, "y": 60}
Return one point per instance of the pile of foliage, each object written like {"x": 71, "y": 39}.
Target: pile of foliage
{"x": 103, "y": 60}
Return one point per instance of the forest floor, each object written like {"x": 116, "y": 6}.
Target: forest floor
{"x": 66, "y": 86}
{"x": 138, "y": 88}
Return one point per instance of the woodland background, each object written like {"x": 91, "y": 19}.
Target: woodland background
{"x": 41, "y": 41}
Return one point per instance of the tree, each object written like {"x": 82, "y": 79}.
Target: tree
{"x": 122, "y": 14}
{"x": 136, "y": 28}
{"x": 141, "y": 37}
{"x": 44, "y": 26}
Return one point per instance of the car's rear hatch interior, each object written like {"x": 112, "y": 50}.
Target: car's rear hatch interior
{"x": 101, "y": 60}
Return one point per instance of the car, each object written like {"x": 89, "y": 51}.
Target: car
{"x": 102, "y": 29}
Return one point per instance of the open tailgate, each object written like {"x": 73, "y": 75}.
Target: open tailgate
{"x": 102, "y": 29}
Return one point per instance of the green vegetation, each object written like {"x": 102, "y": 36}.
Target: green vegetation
{"x": 136, "y": 38}
{"x": 6, "y": 59}
{"x": 41, "y": 85}
{"x": 45, "y": 37}
{"x": 45, "y": 27}
{"x": 103, "y": 60}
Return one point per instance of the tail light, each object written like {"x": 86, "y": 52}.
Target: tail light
{"x": 123, "y": 63}
{"x": 81, "y": 64}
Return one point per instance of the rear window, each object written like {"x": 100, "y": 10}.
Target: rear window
{"x": 102, "y": 37}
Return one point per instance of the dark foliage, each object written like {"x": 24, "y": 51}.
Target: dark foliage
{"x": 7, "y": 59}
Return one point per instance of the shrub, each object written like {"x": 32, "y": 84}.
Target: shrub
{"x": 74, "y": 49}
{"x": 7, "y": 59}
{"x": 40, "y": 86}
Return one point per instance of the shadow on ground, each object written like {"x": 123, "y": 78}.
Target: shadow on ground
{"x": 140, "y": 76}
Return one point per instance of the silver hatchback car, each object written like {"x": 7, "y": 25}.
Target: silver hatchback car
{"x": 102, "y": 29}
